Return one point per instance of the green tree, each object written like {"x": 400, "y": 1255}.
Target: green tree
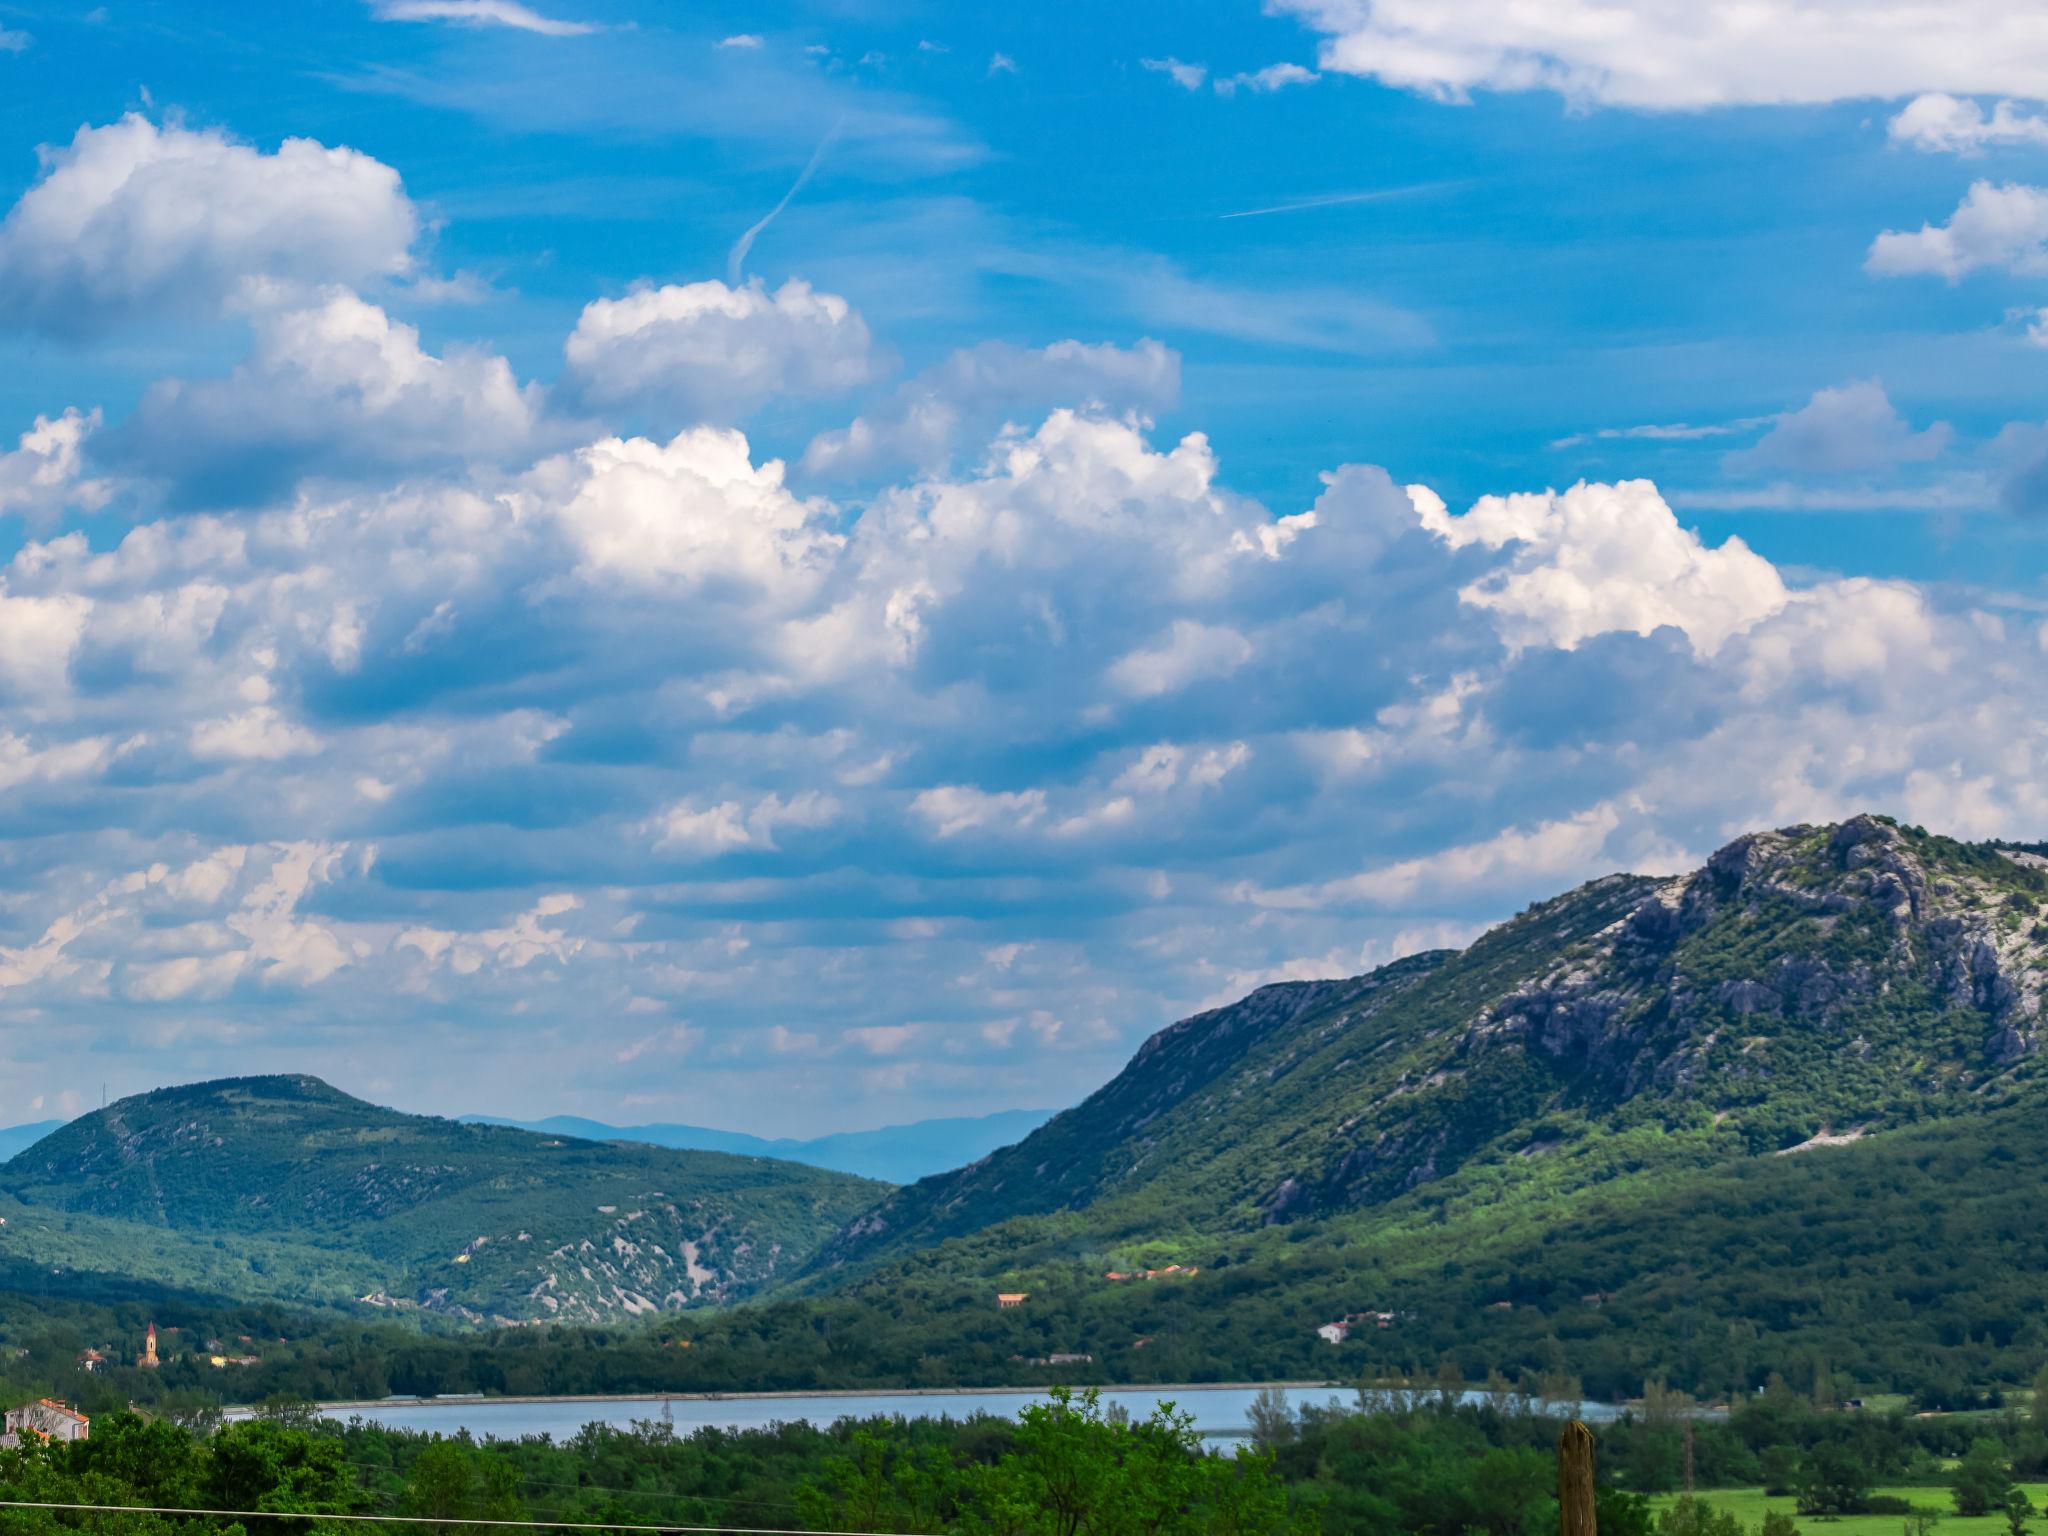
{"x": 455, "y": 1480}
{"x": 2019, "y": 1509}
{"x": 1690, "y": 1516}
{"x": 1778, "y": 1523}
{"x": 1983, "y": 1478}
{"x": 1834, "y": 1481}
{"x": 1780, "y": 1469}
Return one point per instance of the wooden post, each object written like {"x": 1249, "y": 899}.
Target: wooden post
{"x": 1575, "y": 1481}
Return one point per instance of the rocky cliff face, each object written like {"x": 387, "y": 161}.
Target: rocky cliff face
{"x": 1809, "y": 932}
{"x": 1807, "y": 981}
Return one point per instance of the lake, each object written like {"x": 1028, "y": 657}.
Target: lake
{"x": 1220, "y": 1412}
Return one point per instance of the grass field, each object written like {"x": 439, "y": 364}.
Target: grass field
{"x": 1749, "y": 1505}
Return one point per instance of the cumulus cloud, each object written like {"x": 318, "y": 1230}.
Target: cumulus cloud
{"x": 705, "y": 831}
{"x": 1674, "y": 55}
{"x": 1601, "y": 558}
{"x": 961, "y": 401}
{"x": 707, "y": 352}
{"x": 639, "y": 734}
{"x": 1847, "y": 428}
{"x": 695, "y": 510}
{"x": 1937, "y": 123}
{"x": 45, "y": 474}
{"x": 137, "y": 221}
{"x": 951, "y": 809}
{"x": 1996, "y": 225}
{"x": 334, "y": 388}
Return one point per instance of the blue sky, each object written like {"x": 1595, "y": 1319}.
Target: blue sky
{"x": 1167, "y": 498}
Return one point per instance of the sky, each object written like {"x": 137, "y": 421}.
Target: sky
{"x": 801, "y": 566}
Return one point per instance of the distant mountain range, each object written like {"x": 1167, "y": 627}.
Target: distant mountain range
{"x": 328, "y": 1198}
{"x": 18, "y": 1138}
{"x": 897, "y": 1154}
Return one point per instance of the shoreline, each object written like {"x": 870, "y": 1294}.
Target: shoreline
{"x": 464, "y": 1399}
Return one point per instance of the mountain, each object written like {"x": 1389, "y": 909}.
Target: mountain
{"x": 327, "y": 1197}
{"x": 896, "y": 1154}
{"x": 1811, "y": 983}
{"x": 18, "y": 1138}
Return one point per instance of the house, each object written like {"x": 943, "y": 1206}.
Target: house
{"x": 1333, "y": 1333}
{"x": 92, "y": 1361}
{"x": 45, "y": 1419}
{"x": 1011, "y": 1298}
{"x": 1500, "y": 1306}
{"x": 222, "y": 1362}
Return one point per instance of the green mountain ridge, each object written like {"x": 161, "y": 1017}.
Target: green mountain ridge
{"x": 1807, "y": 980}
{"x": 333, "y": 1198}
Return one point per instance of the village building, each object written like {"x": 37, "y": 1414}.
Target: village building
{"x": 1011, "y": 1298}
{"x": 44, "y": 1419}
{"x": 92, "y": 1362}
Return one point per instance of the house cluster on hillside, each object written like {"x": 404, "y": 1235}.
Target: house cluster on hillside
{"x": 43, "y": 1419}
{"x": 1153, "y": 1274}
{"x": 1335, "y": 1333}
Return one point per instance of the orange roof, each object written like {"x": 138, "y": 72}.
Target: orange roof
{"x": 64, "y": 1408}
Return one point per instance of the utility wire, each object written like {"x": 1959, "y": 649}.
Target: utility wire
{"x": 521, "y": 1525}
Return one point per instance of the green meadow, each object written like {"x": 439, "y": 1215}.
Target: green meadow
{"x": 1749, "y": 1505}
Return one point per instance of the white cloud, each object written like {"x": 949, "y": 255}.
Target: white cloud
{"x": 45, "y": 474}
{"x": 21, "y": 762}
{"x": 1679, "y": 55}
{"x": 1188, "y": 77}
{"x": 1190, "y": 652}
{"x": 260, "y": 734}
{"x": 1938, "y": 123}
{"x": 742, "y": 40}
{"x": 136, "y": 221}
{"x": 951, "y": 809}
{"x": 704, "y": 351}
{"x": 38, "y": 638}
{"x": 1994, "y": 226}
{"x": 482, "y": 13}
{"x": 695, "y": 511}
{"x": 963, "y": 399}
{"x": 336, "y": 388}
{"x": 706, "y": 831}
{"x": 1556, "y": 853}
{"x": 1847, "y": 428}
{"x": 1601, "y": 558}
{"x": 1274, "y": 77}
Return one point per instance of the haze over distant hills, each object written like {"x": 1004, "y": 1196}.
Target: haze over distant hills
{"x": 898, "y": 1154}
{"x": 17, "y": 1138}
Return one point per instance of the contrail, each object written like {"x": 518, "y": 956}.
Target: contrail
{"x": 745, "y": 243}
{"x": 1332, "y": 201}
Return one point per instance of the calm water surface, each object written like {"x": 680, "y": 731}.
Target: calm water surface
{"x": 1220, "y": 1412}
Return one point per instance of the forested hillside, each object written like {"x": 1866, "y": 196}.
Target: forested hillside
{"x": 330, "y": 1198}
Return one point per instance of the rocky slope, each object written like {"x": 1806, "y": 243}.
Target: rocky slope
{"x": 1815, "y": 981}
{"x": 323, "y": 1191}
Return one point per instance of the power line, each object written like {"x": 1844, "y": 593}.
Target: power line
{"x": 521, "y": 1525}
